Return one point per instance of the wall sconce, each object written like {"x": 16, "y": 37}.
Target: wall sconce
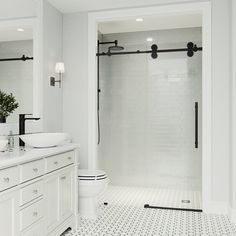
{"x": 59, "y": 69}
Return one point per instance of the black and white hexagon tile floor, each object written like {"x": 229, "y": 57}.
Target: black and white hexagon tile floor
{"x": 125, "y": 215}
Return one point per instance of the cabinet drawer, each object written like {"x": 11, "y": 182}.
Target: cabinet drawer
{"x": 32, "y": 170}
{"x": 59, "y": 161}
{"x": 31, "y": 214}
{"x": 31, "y": 192}
{"x": 69, "y": 158}
{"x": 9, "y": 177}
{"x": 35, "y": 230}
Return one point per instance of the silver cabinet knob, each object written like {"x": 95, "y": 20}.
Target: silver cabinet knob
{"x": 63, "y": 178}
{"x": 55, "y": 162}
{"x": 35, "y": 191}
{"x": 35, "y": 169}
{"x": 69, "y": 158}
{"x": 35, "y": 213}
{"x": 6, "y": 180}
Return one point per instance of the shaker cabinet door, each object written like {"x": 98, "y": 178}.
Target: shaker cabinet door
{"x": 52, "y": 202}
{"x": 66, "y": 194}
{"x": 59, "y": 196}
{"x": 9, "y": 214}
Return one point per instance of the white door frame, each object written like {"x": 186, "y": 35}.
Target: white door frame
{"x": 204, "y": 8}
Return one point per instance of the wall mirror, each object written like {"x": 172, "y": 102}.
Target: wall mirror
{"x": 18, "y": 70}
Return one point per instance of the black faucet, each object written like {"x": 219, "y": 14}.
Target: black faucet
{"x": 22, "y": 120}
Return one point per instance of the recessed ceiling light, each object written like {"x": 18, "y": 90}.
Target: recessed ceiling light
{"x": 20, "y": 30}
{"x": 149, "y": 39}
{"x": 139, "y": 19}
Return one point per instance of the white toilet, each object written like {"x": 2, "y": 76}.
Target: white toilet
{"x": 91, "y": 184}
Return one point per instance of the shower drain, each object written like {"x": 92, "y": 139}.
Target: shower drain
{"x": 185, "y": 201}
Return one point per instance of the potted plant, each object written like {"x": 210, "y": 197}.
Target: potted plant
{"x": 7, "y": 105}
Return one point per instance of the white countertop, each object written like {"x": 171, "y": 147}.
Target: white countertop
{"x": 18, "y": 156}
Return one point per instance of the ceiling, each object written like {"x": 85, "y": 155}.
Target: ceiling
{"x": 11, "y": 34}
{"x": 68, "y": 6}
{"x": 151, "y": 23}
{"x": 17, "y": 8}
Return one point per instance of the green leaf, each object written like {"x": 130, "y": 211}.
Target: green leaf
{"x": 7, "y": 104}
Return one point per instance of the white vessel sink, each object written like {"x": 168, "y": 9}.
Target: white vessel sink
{"x": 44, "y": 140}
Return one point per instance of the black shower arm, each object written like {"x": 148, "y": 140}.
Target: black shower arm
{"x": 109, "y": 42}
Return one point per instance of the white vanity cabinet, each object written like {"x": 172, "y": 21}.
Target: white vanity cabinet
{"x": 9, "y": 214}
{"x": 36, "y": 230}
{"x": 60, "y": 198}
{"x": 38, "y": 198}
{"x": 66, "y": 194}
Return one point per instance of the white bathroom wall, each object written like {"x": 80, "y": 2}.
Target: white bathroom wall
{"x": 75, "y": 81}
{"x": 52, "y": 53}
{"x": 16, "y": 77}
{"x": 220, "y": 102}
{"x": 220, "y": 97}
{"x": 233, "y": 117}
{"x": 18, "y": 9}
{"x": 147, "y": 112}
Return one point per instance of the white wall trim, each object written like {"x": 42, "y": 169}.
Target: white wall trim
{"x": 18, "y": 22}
{"x": 38, "y": 65}
{"x": 206, "y": 108}
{"x": 232, "y": 214}
{"x": 218, "y": 207}
{"x": 203, "y": 8}
{"x": 233, "y": 114}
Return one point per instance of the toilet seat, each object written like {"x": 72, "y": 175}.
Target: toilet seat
{"x": 85, "y": 174}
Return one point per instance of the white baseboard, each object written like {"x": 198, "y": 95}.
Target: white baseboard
{"x": 232, "y": 215}
{"x": 215, "y": 207}
{"x": 221, "y": 208}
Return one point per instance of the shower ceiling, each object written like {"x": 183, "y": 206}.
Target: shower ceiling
{"x": 151, "y": 23}
{"x": 11, "y": 34}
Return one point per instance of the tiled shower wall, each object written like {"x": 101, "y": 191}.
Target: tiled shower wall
{"x": 147, "y": 112}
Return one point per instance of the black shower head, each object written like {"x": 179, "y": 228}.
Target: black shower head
{"x": 115, "y": 48}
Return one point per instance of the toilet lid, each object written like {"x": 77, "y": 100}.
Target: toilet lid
{"x": 85, "y": 174}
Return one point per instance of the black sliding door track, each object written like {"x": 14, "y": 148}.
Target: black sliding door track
{"x": 171, "y": 208}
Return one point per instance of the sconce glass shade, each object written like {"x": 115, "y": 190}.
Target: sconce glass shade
{"x": 60, "y": 67}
